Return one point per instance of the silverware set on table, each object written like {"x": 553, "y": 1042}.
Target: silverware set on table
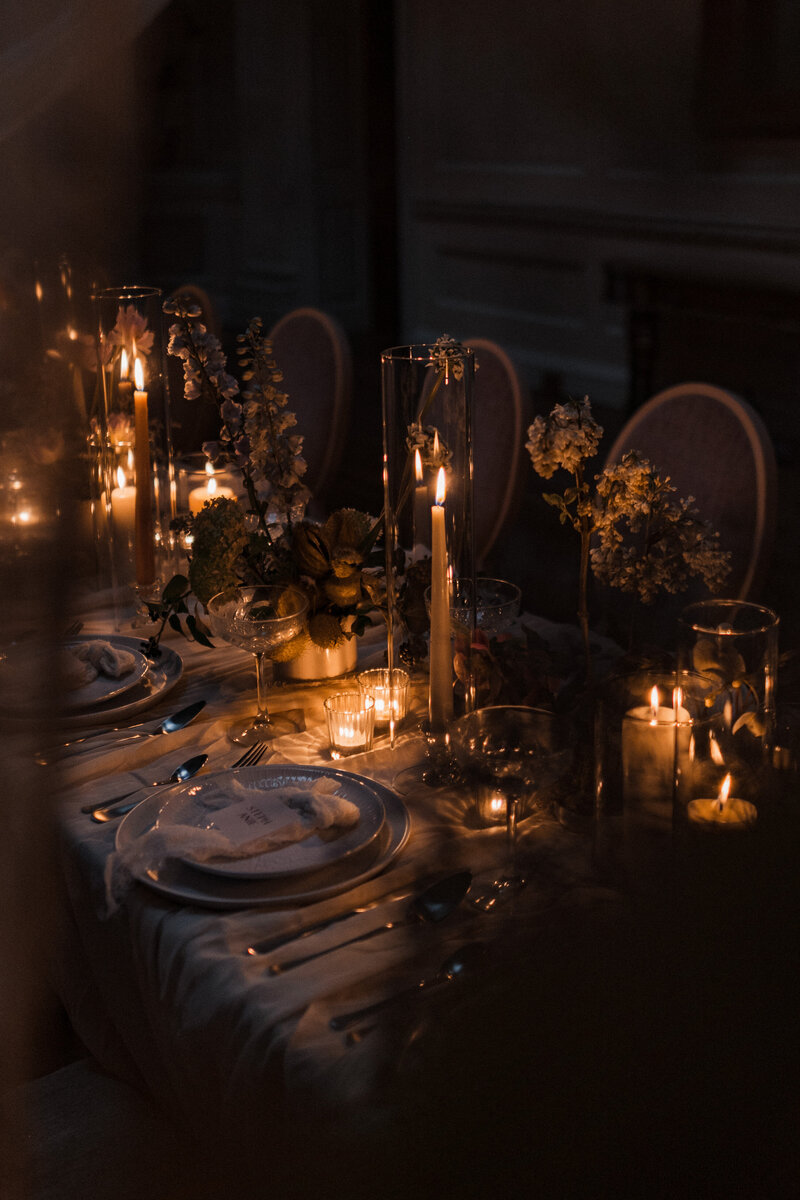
{"x": 118, "y": 806}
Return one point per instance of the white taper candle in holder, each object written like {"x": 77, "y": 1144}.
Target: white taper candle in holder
{"x": 440, "y": 705}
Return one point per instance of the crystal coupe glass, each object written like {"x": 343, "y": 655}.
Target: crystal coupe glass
{"x": 512, "y": 757}
{"x": 259, "y": 619}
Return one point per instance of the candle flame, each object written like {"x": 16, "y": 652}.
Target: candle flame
{"x": 123, "y": 364}
{"x": 209, "y": 468}
{"x": 38, "y": 290}
{"x": 418, "y": 466}
{"x": 436, "y": 451}
{"x": 211, "y": 486}
{"x": 121, "y": 480}
{"x": 440, "y": 486}
{"x": 654, "y": 706}
{"x": 138, "y": 374}
{"x": 724, "y": 792}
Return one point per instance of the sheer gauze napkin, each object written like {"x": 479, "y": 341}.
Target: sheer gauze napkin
{"x": 313, "y": 808}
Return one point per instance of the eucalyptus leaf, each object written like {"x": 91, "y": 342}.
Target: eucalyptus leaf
{"x": 177, "y": 587}
{"x": 752, "y": 721}
{"x": 198, "y": 632}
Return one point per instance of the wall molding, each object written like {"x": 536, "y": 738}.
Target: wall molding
{"x": 607, "y": 223}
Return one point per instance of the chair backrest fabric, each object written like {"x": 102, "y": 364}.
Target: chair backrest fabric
{"x": 313, "y": 352}
{"x": 497, "y": 443}
{"x": 714, "y": 447}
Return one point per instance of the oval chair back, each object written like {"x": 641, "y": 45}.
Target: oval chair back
{"x": 714, "y": 446}
{"x": 313, "y": 352}
{"x": 497, "y": 443}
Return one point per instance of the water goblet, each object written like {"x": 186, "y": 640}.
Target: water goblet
{"x": 259, "y": 619}
{"x": 512, "y": 756}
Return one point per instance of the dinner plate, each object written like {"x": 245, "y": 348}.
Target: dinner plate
{"x": 176, "y": 881}
{"x": 160, "y": 678}
{"x": 217, "y": 801}
{"x": 104, "y": 688}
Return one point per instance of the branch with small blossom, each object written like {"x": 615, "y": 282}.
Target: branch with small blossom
{"x": 648, "y": 540}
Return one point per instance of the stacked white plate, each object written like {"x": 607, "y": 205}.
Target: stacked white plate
{"x": 107, "y": 700}
{"x": 302, "y": 872}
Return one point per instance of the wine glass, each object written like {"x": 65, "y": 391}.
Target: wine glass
{"x": 512, "y": 756}
{"x": 259, "y": 619}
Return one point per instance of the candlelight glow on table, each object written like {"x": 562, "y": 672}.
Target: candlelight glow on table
{"x": 351, "y": 722}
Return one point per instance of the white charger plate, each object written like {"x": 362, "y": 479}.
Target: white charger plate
{"x": 161, "y": 677}
{"x": 104, "y": 688}
{"x": 177, "y": 881}
{"x": 198, "y": 803}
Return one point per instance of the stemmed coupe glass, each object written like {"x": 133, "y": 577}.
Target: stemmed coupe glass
{"x": 259, "y": 619}
{"x": 512, "y": 756}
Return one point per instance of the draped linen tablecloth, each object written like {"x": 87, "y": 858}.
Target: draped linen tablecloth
{"x": 165, "y": 995}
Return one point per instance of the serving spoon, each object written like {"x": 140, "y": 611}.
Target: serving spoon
{"x": 454, "y": 967}
{"x": 114, "y": 807}
{"x": 434, "y": 904}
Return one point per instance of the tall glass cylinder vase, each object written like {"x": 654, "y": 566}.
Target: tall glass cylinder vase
{"x": 427, "y": 473}
{"x": 138, "y": 460}
{"x": 734, "y": 644}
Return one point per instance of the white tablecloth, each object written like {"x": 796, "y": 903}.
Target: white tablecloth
{"x": 166, "y": 996}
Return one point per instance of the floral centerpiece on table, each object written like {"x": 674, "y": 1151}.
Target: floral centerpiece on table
{"x": 265, "y": 537}
{"x": 636, "y": 534}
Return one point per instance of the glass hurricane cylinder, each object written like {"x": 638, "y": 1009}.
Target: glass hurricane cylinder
{"x": 138, "y": 460}
{"x": 427, "y": 447}
{"x": 734, "y": 645}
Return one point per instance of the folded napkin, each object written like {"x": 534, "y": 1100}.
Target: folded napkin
{"x": 313, "y": 808}
{"x": 82, "y": 662}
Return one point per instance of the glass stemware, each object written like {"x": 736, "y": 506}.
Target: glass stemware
{"x": 259, "y": 619}
{"x": 494, "y": 605}
{"x": 512, "y": 756}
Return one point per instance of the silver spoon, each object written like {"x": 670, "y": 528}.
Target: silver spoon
{"x": 172, "y": 724}
{"x": 115, "y": 808}
{"x": 453, "y": 967}
{"x": 434, "y": 904}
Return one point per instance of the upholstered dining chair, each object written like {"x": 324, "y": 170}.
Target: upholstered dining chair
{"x": 498, "y": 443}
{"x": 714, "y": 446}
{"x": 313, "y": 352}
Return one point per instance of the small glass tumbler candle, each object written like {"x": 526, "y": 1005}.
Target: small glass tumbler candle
{"x": 389, "y": 690}
{"x": 351, "y": 722}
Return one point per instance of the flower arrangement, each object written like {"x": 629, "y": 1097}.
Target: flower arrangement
{"x": 635, "y": 534}
{"x": 266, "y": 537}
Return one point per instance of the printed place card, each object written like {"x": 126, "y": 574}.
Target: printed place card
{"x": 255, "y": 816}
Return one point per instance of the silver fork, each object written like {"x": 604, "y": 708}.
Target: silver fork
{"x": 251, "y": 756}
